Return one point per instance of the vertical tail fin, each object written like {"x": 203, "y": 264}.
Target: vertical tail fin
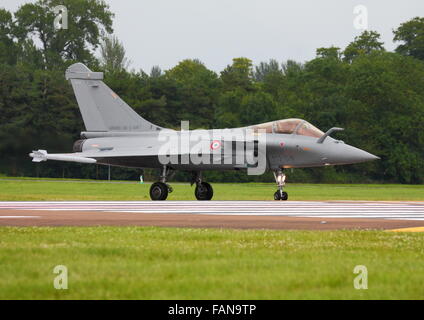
{"x": 101, "y": 108}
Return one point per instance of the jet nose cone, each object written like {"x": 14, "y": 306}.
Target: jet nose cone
{"x": 346, "y": 154}
{"x": 373, "y": 157}
{"x": 355, "y": 155}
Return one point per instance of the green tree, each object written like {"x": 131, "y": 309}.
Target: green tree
{"x": 331, "y": 52}
{"x": 258, "y": 107}
{"x": 366, "y": 43}
{"x": 388, "y": 114}
{"x": 198, "y": 87}
{"x": 86, "y": 20}
{"x": 238, "y": 75}
{"x": 411, "y": 34}
{"x": 317, "y": 92}
{"x": 8, "y": 48}
{"x": 292, "y": 68}
{"x": 229, "y": 109}
{"x": 156, "y": 72}
{"x": 112, "y": 55}
{"x": 38, "y": 110}
{"x": 264, "y": 69}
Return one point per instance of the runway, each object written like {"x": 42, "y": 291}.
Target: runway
{"x": 222, "y": 214}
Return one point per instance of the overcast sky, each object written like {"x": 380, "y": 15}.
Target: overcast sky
{"x": 163, "y": 32}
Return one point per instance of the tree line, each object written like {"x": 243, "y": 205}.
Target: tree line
{"x": 377, "y": 95}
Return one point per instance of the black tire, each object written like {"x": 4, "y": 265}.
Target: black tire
{"x": 203, "y": 191}
{"x": 277, "y": 195}
{"x": 158, "y": 191}
{"x": 281, "y": 196}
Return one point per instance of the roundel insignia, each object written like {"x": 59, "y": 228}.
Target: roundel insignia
{"x": 282, "y": 144}
{"x": 216, "y": 144}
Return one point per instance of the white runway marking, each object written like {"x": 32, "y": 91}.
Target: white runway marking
{"x": 411, "y": 210}
{"x": 18, "y": 217}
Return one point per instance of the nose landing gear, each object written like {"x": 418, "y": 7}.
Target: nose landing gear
{"x": 280, "y": 179}
{"x": 203, "y": 190}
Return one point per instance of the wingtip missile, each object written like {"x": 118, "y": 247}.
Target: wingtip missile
{"x": 42, "y": 155}
{"x": 38, "y": 156}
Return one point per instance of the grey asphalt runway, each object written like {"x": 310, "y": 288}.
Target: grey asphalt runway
{"x": 222, "y": 214}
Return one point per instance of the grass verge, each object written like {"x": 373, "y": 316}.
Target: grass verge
{"x": 165, "y": 263}
{"x": 40, "y": 190}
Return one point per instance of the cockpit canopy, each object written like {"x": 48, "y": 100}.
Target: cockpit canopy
{"x": 289, "y": 126}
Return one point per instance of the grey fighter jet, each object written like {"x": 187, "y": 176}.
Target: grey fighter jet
{"x": 117, "y": 136}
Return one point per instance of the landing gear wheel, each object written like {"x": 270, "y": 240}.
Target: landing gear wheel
{"x": 280, "y": 179}
{"x": 203, "y": 191}
{"x": 277, "y": 195}
{"x": 159, "y": 191}
{"x": 281, "y": 195}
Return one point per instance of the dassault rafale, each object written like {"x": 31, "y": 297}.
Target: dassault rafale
{"x": 117, "y": 136}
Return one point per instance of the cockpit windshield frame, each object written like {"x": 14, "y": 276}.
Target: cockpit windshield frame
{"x": 289, "y": 126}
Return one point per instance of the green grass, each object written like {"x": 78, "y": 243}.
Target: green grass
{"x": 162, "y": 263}
{"x": 27, "y": 189}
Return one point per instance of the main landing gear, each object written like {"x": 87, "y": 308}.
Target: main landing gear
{"x": 160, "y": 190}
{"x": 280, "y": 179}
{"x": 203, "y": 190}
